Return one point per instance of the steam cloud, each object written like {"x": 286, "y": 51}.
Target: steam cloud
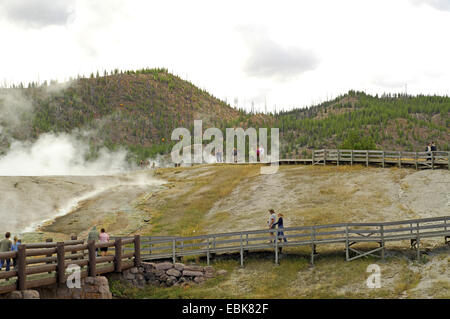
{"x": 50, "y": 154}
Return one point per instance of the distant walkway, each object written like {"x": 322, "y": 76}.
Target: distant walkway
{"x": 418, "y": 160}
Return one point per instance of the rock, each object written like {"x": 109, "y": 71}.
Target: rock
{"x": 173, "y": 272}
{"x": 164, "y": 266}
{"x": 209, "y": 269}
{"x": 148, "y": 266}
{"x": 101, "y": 281}
{"x": 134, "y": 270}
{"x": 163, "y": 277}
{"x": 199, "y": 280}
{"x": 15, "y": 295}
{"x": 90, "y": 280}
{"x": 209, "y": 275}
{"x": 130, "y": 277}
{"x": 222, "y": 272}
{"x": 190, "y": 273}
{"x": 193, "y": 268}
{"x": 140, "y": 277}
{"x": 171, "y": 280}
{"x": 141, "y": 269}
{"x": 179, "y": 266}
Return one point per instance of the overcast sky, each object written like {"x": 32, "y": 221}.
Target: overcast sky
{"x": 288, "y": 53}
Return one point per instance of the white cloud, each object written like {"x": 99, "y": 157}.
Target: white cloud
{"x": 370, "y": 46}
{"x": 37, "y": 13}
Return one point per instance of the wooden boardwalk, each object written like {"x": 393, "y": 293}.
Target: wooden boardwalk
{"x": 417, "y": 160}
{"x": 348, "y": 234}
{"x": 43, "y": 264}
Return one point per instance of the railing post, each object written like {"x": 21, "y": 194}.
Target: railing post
{"x": 314, "y": 151}
{"x": 347, "y": 253}
{"x": 21, "y": 267}
{"x": 416, "y": 160}
{"x": 74, "y": 237}
{"x": 418, "y": 242}
{"x": 399, "y": 159}
{"x": 432, "y": 160}
{"x": 61, "y": 265}
{"x": 367, "y": 158}
{"x": 338, "y": 156}
{"x": 137, "y": 251}
{"x": 118, "y": 255}
{"x": 242, "y": 251}
{"x": 49, "y": 240}
{"x": 324, "y": 157}
{"x": 383, "y": 160}
{"x": 174, "y": 258}
{"x": 382, "y": 241}
{"x": 207, "y": 252}
{"x": 276, "y": 247}
{"x": 351, "y": 161}
{"x": 92, "y": 270}
{"x": 313, "y": 250}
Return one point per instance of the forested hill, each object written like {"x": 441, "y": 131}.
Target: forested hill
{"x": 139, "y": 110}
{"x": 361, "y": 121}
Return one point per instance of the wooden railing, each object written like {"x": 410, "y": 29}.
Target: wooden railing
{"x": 348, "y": 234}
{"x": 418, "y": 159}
{"x": 42, "y": 264}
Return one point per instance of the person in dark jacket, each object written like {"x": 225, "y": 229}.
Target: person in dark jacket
{"x": 280, "y": 225}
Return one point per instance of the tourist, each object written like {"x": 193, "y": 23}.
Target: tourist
{"x": 261, "y": 153}
{"x": 219, "y": 156}
{"x": 235, "y": 154}
{"x": 104, "y": 238}
{"x": 280, "y": 225}
{"x": 271, "y": 222}
{"x": 433, "y": 147}
{"x": 5, "y": 246}
{"x": 257, "y": 154}
{"x": 93, "y": 236}
{"x": 15, "y": 247}
{"x": 428, "y": 150}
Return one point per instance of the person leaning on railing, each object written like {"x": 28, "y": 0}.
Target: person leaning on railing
{"x": 5, "y": 246}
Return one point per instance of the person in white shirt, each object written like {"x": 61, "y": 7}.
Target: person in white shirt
{"x": 271, "y": 222}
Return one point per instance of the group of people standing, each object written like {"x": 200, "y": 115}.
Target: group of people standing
{"x": 7, "y": 245}
{"x": 259, "y": 154}
{"x": 101, "y": 237}
{"x": 273, "y": 223}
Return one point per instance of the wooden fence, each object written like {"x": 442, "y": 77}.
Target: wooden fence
{"x": 349, "y": 234}
{"x": 41, "y": 264}
{"x": 416, "y": 159}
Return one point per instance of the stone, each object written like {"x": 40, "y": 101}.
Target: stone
{"x": 179, "y": 266}
{"x": 141, "y": 269}
{"x": 164, "y": 266}
{"x": 140, "y": 277}
{"x": 222, "y": 272}
{"x": 163, "y": 277}
{"x": 171, "y": 280}
{"x": 101, "y": 281}
{"x": 148, "y": 266}
{"x": 173, "y": 272}
{"x": 209, "y": 269}
{"x": 193, "y": 268}
{"x": 190, "y": 273}
{"x": 209, "y": 275}
{"x": 130, "y": 277}
{"x": 15, "y": 295}
{"x": 89, "y": 280}
{"x": 134, "y": 270}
